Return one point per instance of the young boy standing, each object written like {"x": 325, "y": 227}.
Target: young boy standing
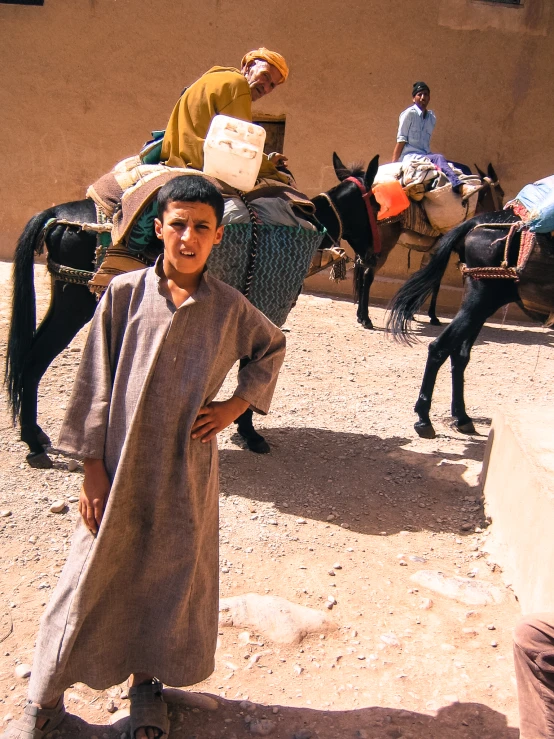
{"x": 139, "y": 593}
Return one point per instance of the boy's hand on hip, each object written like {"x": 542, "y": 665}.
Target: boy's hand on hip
{"x": 94, "y": 493}
{"x": 214, "y": 417}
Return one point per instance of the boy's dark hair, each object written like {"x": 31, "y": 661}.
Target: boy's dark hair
{"x": 191, "y": 188}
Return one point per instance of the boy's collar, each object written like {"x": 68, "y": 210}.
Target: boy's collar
{"x": 199, "y": 293}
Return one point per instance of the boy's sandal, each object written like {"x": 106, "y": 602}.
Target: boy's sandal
{"x": 148, "y": 709}
{"x": 26, "y": 726}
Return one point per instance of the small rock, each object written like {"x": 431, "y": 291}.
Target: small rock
{"x": 111, "y": 707}
{"x": 337, "y": 566}
{"x": 491, "y": 627}
{"x": 494, "y": 643}
{"x": 471, "y": 592}
{"x": 303, "y": 734}
{"x": 57, "y": 506}
{"x": 5, "y": 513}
{"x": 72, "y": 465}
{"x": 403, "y": 563}
{"x": 345, "y": 525}
{"x": 332, "y": 573}
{"x": 247, "y": 706}
{"x": 22, "y": 671}
{"x": 244, "y": 637}
{"x": 298, "y": 670}
{"x": 301, "y": 520}
{"x": 466, "y": 526}
{"x": 390, "y": 639}
{"x": 33, "y": 539}
{"x": 275, "y": 709}
{"x": 426, "y": 604}
{"x": 262, "y": 727}
{"x": 73, "y": 499}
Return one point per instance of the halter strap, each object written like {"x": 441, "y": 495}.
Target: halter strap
{"x": 366, "y": 194}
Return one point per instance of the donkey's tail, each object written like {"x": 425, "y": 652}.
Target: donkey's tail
{"x": 23, "y": 318}
{"x": 413, "y": 293}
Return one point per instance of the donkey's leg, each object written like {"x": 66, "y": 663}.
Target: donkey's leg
{"x": 432, "y": 311}
{"x": 439, "y": 351}
{"x": 363, "y": 303}
{"x": 70, "y": 308}
{"x": 459, "y": 360}
{"x": 254, "y": 441}
{"x": 489, "y": 301}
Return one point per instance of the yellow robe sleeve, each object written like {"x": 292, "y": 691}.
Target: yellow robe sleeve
{"x": 221, "y": 90}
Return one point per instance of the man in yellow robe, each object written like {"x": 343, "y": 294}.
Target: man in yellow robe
{"x": 225, "y": 90}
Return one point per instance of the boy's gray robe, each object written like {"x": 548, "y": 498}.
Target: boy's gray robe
{"x": 142, "y": 596}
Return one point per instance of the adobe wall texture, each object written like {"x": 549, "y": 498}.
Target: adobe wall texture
{"x": 83, "y": 83}
{"x": 518, "y": 477}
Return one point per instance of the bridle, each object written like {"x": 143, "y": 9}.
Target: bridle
{"x": 366, "y": 195}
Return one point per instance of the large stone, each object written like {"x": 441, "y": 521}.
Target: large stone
{"x": 190, "y": 699}
{"x": 518, "y": 477}
{"x": 277, "y": 619}
{"x": 464, "y": 589}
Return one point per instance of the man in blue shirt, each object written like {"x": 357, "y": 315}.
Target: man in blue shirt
{"x": 416, "y": 125}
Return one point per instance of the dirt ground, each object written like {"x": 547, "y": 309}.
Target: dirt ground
{"x": 347, "y": 483}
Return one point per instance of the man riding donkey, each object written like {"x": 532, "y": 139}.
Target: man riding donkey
{"x": 415, "y": 127}
{"x": 228, "y": 91}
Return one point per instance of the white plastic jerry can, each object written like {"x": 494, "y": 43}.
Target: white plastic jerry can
{"x": 233, "y": 151}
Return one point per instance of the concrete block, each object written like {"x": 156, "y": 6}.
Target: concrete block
{"x": 518, "y": 476}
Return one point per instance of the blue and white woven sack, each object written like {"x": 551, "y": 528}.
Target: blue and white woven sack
{"x": 538, "y": 198}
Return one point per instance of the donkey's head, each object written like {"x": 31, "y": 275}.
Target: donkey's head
{"x": 491, "y": 196}
{"x": 343, "y": 209}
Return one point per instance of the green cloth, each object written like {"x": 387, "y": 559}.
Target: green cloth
{"x": 221, "y": 90}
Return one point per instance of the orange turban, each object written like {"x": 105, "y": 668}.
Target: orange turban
{"x": 272, "y": 57}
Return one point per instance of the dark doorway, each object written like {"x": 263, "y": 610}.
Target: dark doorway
{"x": 275, "y": 134}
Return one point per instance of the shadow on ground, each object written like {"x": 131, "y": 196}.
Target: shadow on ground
{"x": 456, "y": 721}
{"x": 375, "y": 484}
{"x": 491, "y": 334}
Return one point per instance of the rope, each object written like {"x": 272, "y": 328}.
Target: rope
{"x": 337, "y": 216}
{"x": 68, "y": 274}
{"x": 254, "y": 244}
{"x": 489, "y": 273}
{"x": 338, "y": 270}
{"x": 504, "y": 272}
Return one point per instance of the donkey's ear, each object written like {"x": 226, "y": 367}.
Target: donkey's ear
{"x": 372, "y": 168}
{"x": 340, "y": 170}
{"x": 492, "y": 173}
{"x": 482, "y": 175}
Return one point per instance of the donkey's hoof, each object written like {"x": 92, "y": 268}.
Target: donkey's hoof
{"x": 465, "y": 428}
{"x": 43, "y": 439}
{"x": 366, "y": 323}
{"x": 39, "y": 461}
{"x": 434, "y": 321}
{"x": 258, "y": 446}
{"x": 425, "y": 430}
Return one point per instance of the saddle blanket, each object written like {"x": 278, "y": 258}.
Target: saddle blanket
{"x": 441, "y": 209}
{"x": 537, "y": 201}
